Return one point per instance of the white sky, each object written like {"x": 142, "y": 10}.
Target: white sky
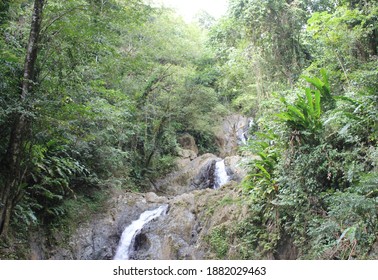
{"x": 189, "y": 8}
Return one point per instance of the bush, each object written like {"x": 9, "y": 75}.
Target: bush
{"x": 322, "y": 168}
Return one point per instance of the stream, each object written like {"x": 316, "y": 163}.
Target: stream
{"x": 200, "y": 197}
{"x": 220, "y": 174}
{"x": 127, "y": 241}
{"x": 130, "y": 232}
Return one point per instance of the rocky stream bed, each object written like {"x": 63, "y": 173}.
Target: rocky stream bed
{"x": 195, "y": 206}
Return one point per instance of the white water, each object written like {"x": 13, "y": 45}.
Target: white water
{"x": 251, "y": 123}
{"x": 244, "y": 139}
{"x": 221, "y": 176}
{"x": 242, "y": 133}
{"x": 130, "y": 232}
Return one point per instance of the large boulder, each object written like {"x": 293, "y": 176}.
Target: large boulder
{"x": 187, "y": 142}
{"x": 186, "y": 154}
{"x": 236, "y": 167}
{"x": 181, "y": 181}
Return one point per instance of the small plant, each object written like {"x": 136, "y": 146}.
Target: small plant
{"x": 304, "y": 116}
{"x": 52, "y": 176}
{"x": 260, "y": 182}
{"x": 219, "y": 241}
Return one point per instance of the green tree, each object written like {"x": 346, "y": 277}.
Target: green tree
{"x": 12, "y": 165}
{"x": 49, "y": 125}
{"x": 274, "y": 31}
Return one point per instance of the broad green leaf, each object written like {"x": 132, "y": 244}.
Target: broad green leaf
{"x": 317, "y": 104}
{"x": 295, "y": 113}
{"x": 310, "y": 103}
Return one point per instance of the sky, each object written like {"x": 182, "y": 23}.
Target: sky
{"x": 189, "y": 8}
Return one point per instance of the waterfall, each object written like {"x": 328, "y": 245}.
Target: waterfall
{"x": 130, "y": 232}
{"x": 243, "y": 132}
{"x": 220, "y": 173}
{"x": 244, "y": 139}
{"x": 251, "y": 123}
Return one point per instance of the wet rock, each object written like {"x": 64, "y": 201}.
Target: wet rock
{"x": 195, "y": 209}
{"x": 205, "y": 177}
{"x": 236, "y": 167}
{"x": 182, "y": 234}
{"x": 98, "y": 238}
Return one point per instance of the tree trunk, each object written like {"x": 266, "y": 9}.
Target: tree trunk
{"x": 12, "y": 173}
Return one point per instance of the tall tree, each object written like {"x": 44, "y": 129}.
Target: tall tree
{"x": 273, "y": 28}
{"x": 12, "y": 165}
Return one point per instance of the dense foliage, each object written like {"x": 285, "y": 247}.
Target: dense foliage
{"x": 313, "y": 184}
{"x": 111, "y": 87}
{"x": 94, "y": 94}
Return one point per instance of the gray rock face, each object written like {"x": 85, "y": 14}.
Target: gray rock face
{"x": 98, "y": 238}
{"x": 188, "y": 177}
{"x": 205, "y": 177}
{"x": 236, "y": 167}
{"x": 182, "y": 233}
{"x": 186, "y": 154}
{"x": 194, "y": 210}
{"x": 232, "y": 133}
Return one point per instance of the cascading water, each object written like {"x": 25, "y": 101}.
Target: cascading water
{"x": 220, "y": 174}
{"x": 244, "y": 131}
{"x": 130, "y": 232}
{"x": 244, "y": 139}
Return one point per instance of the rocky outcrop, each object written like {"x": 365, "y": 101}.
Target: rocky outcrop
{"x": 186, "y": 154}
{"x": 232, "y": 133}
{"x": 185, "y": 179}
{"x": 98, "y": 238}
{"x": 182, "y": 233}
{"x": 194, "y": 209}
{"x": 205, "y": 178}
{"x": 187, "y": 142}
{"x": 236, "y": 167}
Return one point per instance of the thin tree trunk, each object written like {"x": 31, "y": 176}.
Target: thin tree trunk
{"x": 12, "y": 175}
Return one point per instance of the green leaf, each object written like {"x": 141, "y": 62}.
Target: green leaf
{"x": 349, "y": 234}
{"x": 316, "y": 82}
{"x": 310, "y": 101}
{"x": 263, "y": 170}
{"x": 326, "y": 85}
{"x": 295, "y": 113}
{"x": 317, "y": 104}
